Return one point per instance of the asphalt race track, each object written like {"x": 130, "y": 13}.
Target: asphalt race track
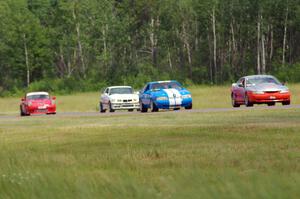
{"x": 206, "y": 110}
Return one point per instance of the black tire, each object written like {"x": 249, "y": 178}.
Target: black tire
{"x": 101, "y": 108}
{"x": 153, "y": 107}
{"x": 143, "y": 109}
{"x": 247, "y": 102}
{"x": 176, "y": 109}
{"x": 233, "y": 102}
{"x": 189, "y": 107}
{"x": 286, "y": 103}
{"x": 110, "y": 108}
{"x": 130, "y": 110}
{"x": 271, "y": 104}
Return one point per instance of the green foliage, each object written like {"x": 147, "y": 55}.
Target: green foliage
{"x": 80, "y": 45}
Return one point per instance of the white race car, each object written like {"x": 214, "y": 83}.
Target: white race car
{"x": 118, "y": 98}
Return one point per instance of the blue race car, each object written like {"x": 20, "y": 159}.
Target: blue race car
{"x": 164, "y": 95}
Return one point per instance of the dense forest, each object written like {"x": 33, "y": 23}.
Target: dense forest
{"x": 66, "y": 45}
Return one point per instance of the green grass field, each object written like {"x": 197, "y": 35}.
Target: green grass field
{"x": 235, "y": 154}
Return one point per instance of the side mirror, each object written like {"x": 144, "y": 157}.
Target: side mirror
{"x": 234, "y": 85}
{"x": 54, "y": 98}
{"x": 283, "y": 83}
{"x": 23, "y": 99}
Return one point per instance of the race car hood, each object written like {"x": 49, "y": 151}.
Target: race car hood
{"x": 269, "y": 87}
{"x": 124, "y": 96}
{"x": 171, "y": 92}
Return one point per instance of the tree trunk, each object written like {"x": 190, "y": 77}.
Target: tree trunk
{"x": 26, "y": 60}
{"x": 79, "y": 45}
{"x": 284, "y": 36}
{"x": 188, "y": 49}
{"x": 263, "y": 54}
{"x": 258, "y": 46}
{"x": 214, "y": 43}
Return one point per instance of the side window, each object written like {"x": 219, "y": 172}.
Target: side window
{"x": 241, "y": 81}
{"x": 107, "y": 91}
{"x": 147, "y": 87}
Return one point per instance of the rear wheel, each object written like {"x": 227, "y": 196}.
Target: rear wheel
{"x": 143, "y": 109}
{"x": 176, "y": 109}
{"x": 247, "y": 101}
{"x": 102, "y": 110}
{"x": 130, "y": 110}
{"x": 271, "y": 104}
{"x": 233, "y": 102}
{"x": 153, "y": 107}
{"x": 110, "y": 108}
{"x": 286, "y": 103}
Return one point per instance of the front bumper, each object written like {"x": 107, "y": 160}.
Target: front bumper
{"x": 125, "y": 106}
{"x": 36, "y": 110}
{"x": 165, "y": 104}
{"x": 269, "y": 97}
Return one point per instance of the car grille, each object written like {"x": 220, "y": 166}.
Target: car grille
{"x": 127, "y": 100}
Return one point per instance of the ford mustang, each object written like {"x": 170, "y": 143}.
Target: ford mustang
{"x": 37, "y": 103}
{"x": 259, "y": 89}
{"x": 164, "y": 95}
{"x": 118, "y": 98}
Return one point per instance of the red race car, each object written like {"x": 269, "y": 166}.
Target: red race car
{"x": 37, "y": 103}
{"x": 259, "y": 89}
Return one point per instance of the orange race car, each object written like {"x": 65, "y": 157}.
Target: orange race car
{"x": 259, "y": 89}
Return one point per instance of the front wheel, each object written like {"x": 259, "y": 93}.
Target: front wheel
{"x": 189, "y": 107}
{"x": 130, "y": 110}
{"x": 233, "y": 102}
{"x": 247, "y": 101}
{"x": 153, "y": 107}
{"x": 271, "y": 104}
{"x": 110, "y": 108}
{"x": 143, "y": 109}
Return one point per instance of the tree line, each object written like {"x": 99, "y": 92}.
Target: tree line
{"x": 83, "y": 45}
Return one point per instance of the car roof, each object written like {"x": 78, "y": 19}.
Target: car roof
{"x": 37, "y": 93}
{"x": 255, "y": 76}
{"x": 119, "y": 87}
{"x": 166, "y": 81}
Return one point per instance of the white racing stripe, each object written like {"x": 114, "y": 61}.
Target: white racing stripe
{"x": 174, "y": 97}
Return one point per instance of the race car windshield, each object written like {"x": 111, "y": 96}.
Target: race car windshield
{"x": 121, "y": 91}
{"x": 166, "y": 85}
{"x": 34, "y": 97}
{"x": 262, "y": 80}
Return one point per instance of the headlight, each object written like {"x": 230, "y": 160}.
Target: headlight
{"x": 258, "y": 92}
{"x": 162, "y": 98}
{"x": 284, "y": 91}
{"x": 186, "y": 96}
{"x": 135, "y": 100}
{"x": 113, "y": 100}
{"x": 119, "y": 100}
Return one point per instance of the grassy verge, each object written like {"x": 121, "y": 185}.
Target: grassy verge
{"x": 239, "y": 154}
{"x": 203, "y": 97}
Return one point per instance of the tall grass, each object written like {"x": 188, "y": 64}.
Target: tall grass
{"x": 239, "y": 154}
